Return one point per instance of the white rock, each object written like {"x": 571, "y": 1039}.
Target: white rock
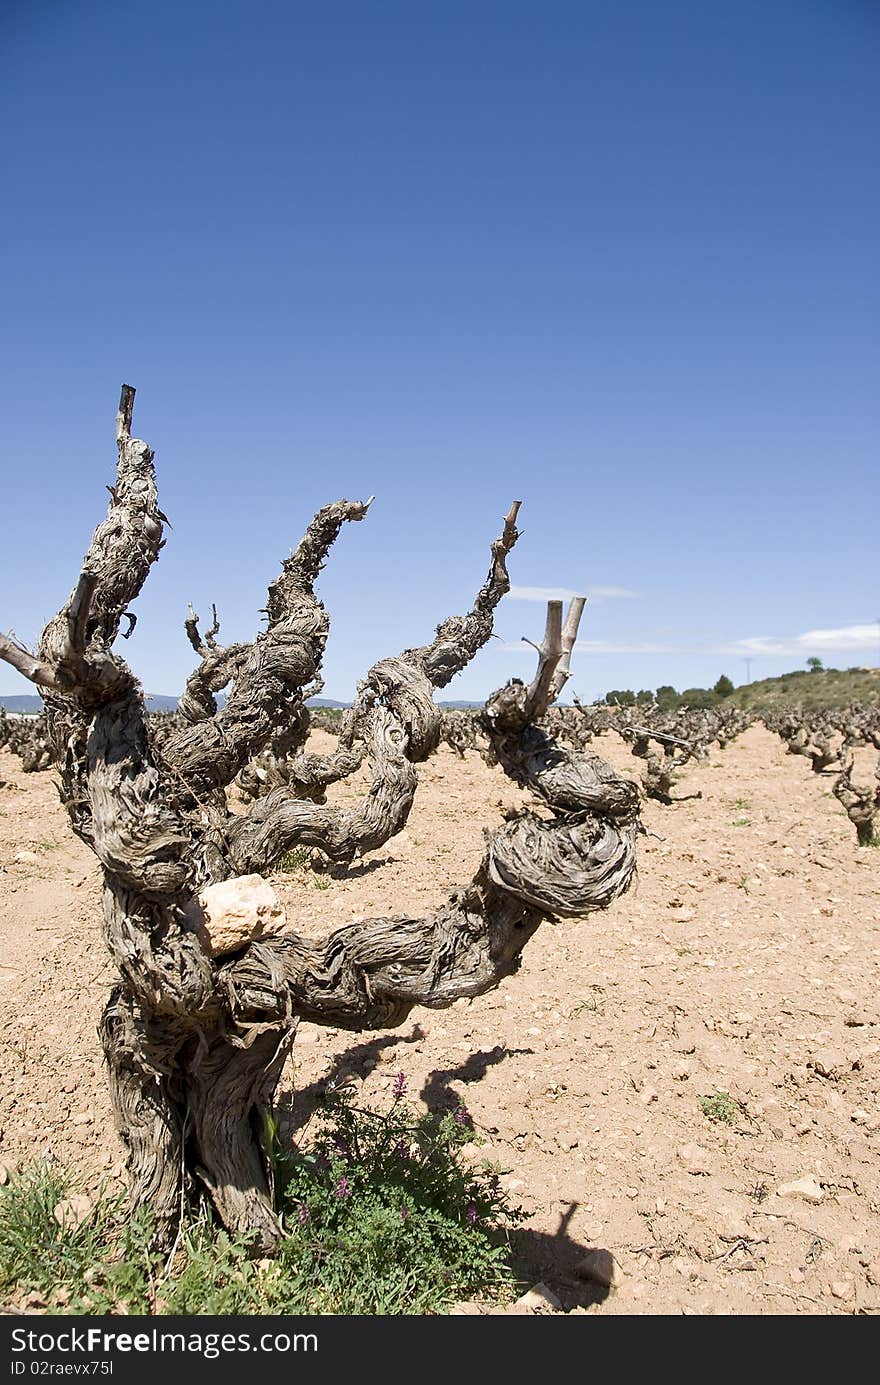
{"x": 226, "y": 916}
{"x": 808, "y": 1187}
{"x": 591, "y": 1230}
{"x": 601, "y": 1267}
{"x": 26, "y": 858}
{"x": 843, "y": 1288}
{"x": 732, "y": 1225}
{"x": 73, "y": 1211}
{"x": 539, "y": 1299}
{"x": 694, "y": 1158}
{"x": 567, "y": 1139}
{"x": 471, "y": 1151}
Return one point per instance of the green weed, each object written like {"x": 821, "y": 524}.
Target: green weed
{"x": 380, "y": 1214}
{"x": 593, "y": 1004}
{"x": 292, "y": 861}
{"x": 721, "y": 1106}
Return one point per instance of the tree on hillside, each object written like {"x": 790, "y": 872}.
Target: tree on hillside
{"x": 621, "y": 697}
{"x": 695, "y": 698}
{"x": 724, "y": 686}
{"x": 667, "y": 698}
{"x": 814, "y": 664}
{"x": 209, "y": 988}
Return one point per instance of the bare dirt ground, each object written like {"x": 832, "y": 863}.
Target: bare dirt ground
{"x": 745, "y": 962}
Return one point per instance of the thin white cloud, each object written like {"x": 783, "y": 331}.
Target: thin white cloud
{"x": 854, "y": 637}
{"x": 594, "y": 594}
{"x": 846, "y": 637}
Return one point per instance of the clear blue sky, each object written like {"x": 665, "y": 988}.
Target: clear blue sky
{"x": 616, "y": 260}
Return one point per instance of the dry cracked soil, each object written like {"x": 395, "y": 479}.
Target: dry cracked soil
{"x": 687, "y": 1082}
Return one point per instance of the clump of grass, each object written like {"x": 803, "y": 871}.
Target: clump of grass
{"x": 721, "y": 1106}
{"x": 298, "y": 861}
{"x": 594, "y": 1003}
{"x": 292, "y": 861}
{"x": 101, "y": 1260}
{"x": 380, "y": 1213}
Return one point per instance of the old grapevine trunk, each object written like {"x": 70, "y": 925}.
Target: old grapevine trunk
{"x": 195, "y": 1043}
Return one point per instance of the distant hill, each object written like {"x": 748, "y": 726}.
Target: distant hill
{"x": 155, "y": 702}
{"x": 29, "y": 702}
{"x": 22, "y": 702}
{"x": 829, "y": 687}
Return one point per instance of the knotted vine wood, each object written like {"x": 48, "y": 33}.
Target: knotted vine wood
{"x": 195, "y": 1044}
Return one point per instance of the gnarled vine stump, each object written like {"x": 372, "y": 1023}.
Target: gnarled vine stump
{"x": 195, "y": 1041}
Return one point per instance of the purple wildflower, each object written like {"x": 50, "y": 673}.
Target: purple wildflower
{"x": 303, "y": 1214}
{"x": 404, "y": 1214}
{"x": 462, "y": 1116}
{"x": 343, "y": 1188}
{"x": 471, "y": 1213}
{"x": 401, "y": 1149}
{"x": 399, "y": 1088}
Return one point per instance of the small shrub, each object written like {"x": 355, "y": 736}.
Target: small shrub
{"x": 381, "y": 1214}
{"x": 385, "y": 1216}
{"x": 721, "y": 1106}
